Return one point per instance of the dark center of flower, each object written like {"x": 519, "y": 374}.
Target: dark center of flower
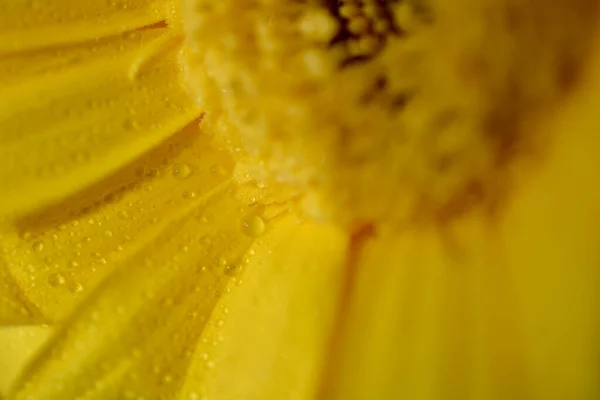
{"x": 387, "y": 110}
{"x": 365, "y": 25}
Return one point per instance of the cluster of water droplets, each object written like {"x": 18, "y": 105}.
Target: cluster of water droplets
{"x": 70, "y": 247}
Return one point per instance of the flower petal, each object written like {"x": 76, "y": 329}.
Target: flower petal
{"x": 15, "y": 307}
{"x": 71, "y": 117}
{"x": 553, "y": 256}
{"x": 26, "y": 24}
{"x": 265, "y": 340}
{"x": 17, "y": 345}
{"x": 58, "y": 255}
{"x": 130, "y": 337}
{"x": 490, "y": 308}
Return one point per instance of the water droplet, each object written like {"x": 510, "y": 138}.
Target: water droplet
{"x": 189, "y": 195}
{"x": 123, "y": 214}
{"x": 131, "y": 125}
{"x": 231, "y": 270}
{"x": 38, "y": 246}
{"x": 75, "y": 287}
{"x": 56, "y": 279}
{"x": 108, "y": 233}
{"x": 218, "y": 170}
{"x": 181, "y": 171}
{"x": 25, "y": 235}
{"x": 253, "y": 226}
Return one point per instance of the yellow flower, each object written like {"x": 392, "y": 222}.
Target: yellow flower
{"x": 239, "y": 199}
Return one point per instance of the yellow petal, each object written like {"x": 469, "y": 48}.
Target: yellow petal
{"x": 57, "y": 256}
{"x": 265, "y": 339}
{"x": 131, "y": 338}
{"x": 490, "y": 308}
{"x": 83, "y": 116}
{"x": 552, "y": 253}
{"x": 17, "y": 345}
{"x": 15, "y": 307}
{"x": 26, "y": 24}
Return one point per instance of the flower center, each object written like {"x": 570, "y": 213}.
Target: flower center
{"x": 386, "y": 111}
{"x": 364, "y": 27}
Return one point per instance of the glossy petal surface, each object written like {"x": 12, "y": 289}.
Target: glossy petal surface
{"x": 70, "y": 116}
{"x": 26, "y": 24}
{"x": 267, "y": 337}
{"x": 58, "y": 255}
{"x": 134, "y": 336}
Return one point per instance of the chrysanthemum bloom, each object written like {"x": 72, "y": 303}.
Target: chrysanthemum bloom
{"x": 277, "y": 199}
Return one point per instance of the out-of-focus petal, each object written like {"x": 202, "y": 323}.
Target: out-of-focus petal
{"x": 17, "y": 345}
{"x": 71, "y": 116}
{"x": 27, "y": 24}
{"x": 492, "y": 307}
{"x": 134, "y": 336}
{"x": 58, "y": 255}
{"x": 266, "y": 338}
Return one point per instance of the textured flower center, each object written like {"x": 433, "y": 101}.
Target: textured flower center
{"x": 386, "y": 111}
{"x": 364, "y": 27}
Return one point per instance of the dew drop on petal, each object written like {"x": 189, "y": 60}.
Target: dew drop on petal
{"x": 181, "y": 171}
{"x": 231, "y": 270}
{"x": 123, "y": 214}
{"x": 253, "y": 226}
{"x": 56, "y": 279}
{"x": 189, "y": 195}
{"x": 75, "y": 287}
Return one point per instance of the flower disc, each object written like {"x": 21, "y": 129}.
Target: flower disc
{"x": 383, "y": 110}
